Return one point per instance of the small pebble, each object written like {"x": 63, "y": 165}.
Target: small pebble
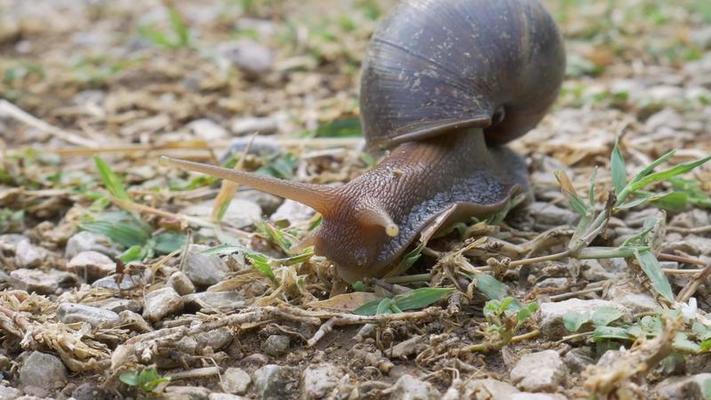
{"x": 235, "y": 381}
{"x": 69, "y": 313}
{"x": 276, "y": 345}
{"x": 91, "y": 265}
{"x": 161, "y": 303}
{"x": 42, "y": 374}
{"x": 543, "y": 371}
{"x": 181, "y": 283}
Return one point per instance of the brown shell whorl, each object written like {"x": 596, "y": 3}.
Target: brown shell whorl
{"x": 436, "y": 65}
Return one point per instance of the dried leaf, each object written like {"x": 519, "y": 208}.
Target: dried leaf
{"x": 345, "y": 302}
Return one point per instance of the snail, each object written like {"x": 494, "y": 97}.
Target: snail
{"x": 445, "y": 83}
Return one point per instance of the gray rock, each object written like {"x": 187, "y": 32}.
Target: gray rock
{"x": 91, "y": 265}
{"x": 543, "y": 371}
{"x": 9, "y": 242}
{"x": 235, "y": 381}
{"x": 248, "y": 55}
{"x": 267, "y": 202}
{"x": 683, "y": 387}
{"x": 410, "y": 388}
{"x": 70, "y": 313}
{"x": 214, "y": 301}
{"x": 88, "y": 241}
{"x": 89, "y": 98}
{"x": 262, "y": 126}
{"x": 555, "y": 283}
{"x": 160, "y": 303}
{"x": 690, "y": 244}
{"x": 576, "y": 360}
{"x": 489, "y": 389}
{"x": 28, "y": 255}
{"x": 216, "y": 339}
{"x": 273, "y": 382}
{"x": 663, "y": 93}
{"x": 205, "y": 270}
{"x": 687, "y": 219}
{"x": 8, "y": 393}
{"x": 609, "y": 358}
{"x": 637, "y": 302}
{"x": 5, "y": 363}
{"x": 225, "y": 396}
{"x": 292, "y": 211}
{"x": 91, "y": 391}
{"x": 208, "y": 130}
{"x": 181, "y": 283}
{"x": 118, "y": 305}
{"x": 5, "y": 280}
{"x": 187, "y": 393}
{"x": 537, "y": 396}
{"x": 551, "y": 215}
{"x": 319, "y": 381}
{"x": 41, "y": 282}
{"x": 240, "y": 213}
{"x": 133, "y": 321}
{"x": 593, "y": 271}
{"x": 551, "y": 314}
{"x": 44, "y": 372}
{"x": 262, "y": 27}
{"x": 127, "y": 282}
{"x": 276, "y": 345}
{"x": 256, "y": 359}
{"x": 698, "y": 363}
{"x": 187, "y": 345}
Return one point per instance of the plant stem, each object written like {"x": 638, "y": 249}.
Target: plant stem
{"x": 484, "y": 346}
{"x": 604, "y": 252}
{"x": 408, "y": 278}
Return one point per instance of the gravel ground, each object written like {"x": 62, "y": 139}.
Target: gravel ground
{"x": 117, "y": 283}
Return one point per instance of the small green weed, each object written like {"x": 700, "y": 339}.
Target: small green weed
{"x": 147, "y": 380}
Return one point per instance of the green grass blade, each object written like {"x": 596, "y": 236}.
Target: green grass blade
{"x": 667, "y": 173}
{"x": 133, "y": 253}
{"x": 156, "y": 37}
{"x": 570, "y": 193}
{"x": 591, "y": 191}
{"x": 654, "y": 164}
{"x": 369, "y": 308}
{"x": 653, "y": 270}
{"x": 672, "y": 201}
{"x": 180, "y": 27}
{"x": 130, "y": 378}
{"x": 384, "y": 307}
{"x": 682, "y": 343}
{"x": 604, "y": 316}
{"x": 262, "y": 264}
{"x": 420, "y": 298}
{"x": 573, "y": 321}
{"x": 610, "y": 333}
{"x": 125, "y": 234}
{"x": 525, "y": 312}
{"x": 168, "y": 242}
{"x": 490, "y": 287}
{"x": 112, "y": 182}
{"x": 617, "y": 166}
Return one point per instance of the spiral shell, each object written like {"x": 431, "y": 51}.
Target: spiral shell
{"x": 436, "y": 65}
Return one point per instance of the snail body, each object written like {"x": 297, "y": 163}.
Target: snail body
{"x": 445, "y": 83}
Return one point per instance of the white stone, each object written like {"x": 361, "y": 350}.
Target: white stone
{"x": 160, "y": 303}
{"x": 543, "y": 371}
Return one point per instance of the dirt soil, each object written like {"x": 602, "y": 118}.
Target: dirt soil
{"x": 119, "y": 282}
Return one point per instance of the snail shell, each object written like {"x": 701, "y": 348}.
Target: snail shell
{"x": 438, "y": 65}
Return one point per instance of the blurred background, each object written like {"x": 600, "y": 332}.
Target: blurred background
{"x": 127, "y": 71}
